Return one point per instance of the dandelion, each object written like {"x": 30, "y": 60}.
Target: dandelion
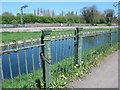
{"x": 76, "y": 74}
{"x": 82, "y": 73}
{"x": 65, "y": 77}
{"x": 61, "y": 75}
{"x": 74, "y": 66}
{"x": 42, "y": 84}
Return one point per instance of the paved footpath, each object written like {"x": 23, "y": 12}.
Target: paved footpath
{"x": 103, "y": 76}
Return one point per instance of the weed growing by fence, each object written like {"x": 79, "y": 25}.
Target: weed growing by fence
{"x": 65, "y": 70}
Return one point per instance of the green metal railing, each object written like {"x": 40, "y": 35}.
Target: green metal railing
{"x": 53, "y": 61}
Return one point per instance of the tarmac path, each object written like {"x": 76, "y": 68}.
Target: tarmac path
{"x": 103, "y": 76}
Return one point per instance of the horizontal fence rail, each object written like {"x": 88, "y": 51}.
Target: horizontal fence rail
{"x": 51, "y": 57}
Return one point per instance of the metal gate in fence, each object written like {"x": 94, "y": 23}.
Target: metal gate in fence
{"x": 49, "y": 58}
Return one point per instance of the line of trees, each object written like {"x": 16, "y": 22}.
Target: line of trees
{"x": 87, "y": 15}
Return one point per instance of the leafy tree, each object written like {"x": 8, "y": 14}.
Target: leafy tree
{"x": 109, "y": 13}
{"x": 15, "y": 23}
{"x": 90, "y": 14}
{"x": 7, "y": 19}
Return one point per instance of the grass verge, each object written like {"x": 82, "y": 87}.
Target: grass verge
{"x": 17, "y": 36}
{"x": 65, "y": 71}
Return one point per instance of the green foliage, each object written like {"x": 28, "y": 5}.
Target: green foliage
{"x": 109, "y": 24}
{"x": 109, "y": 14}
{"x": 16, "y": 36}
{"x": 15, "y": 23}
{"x": 8, "y": 19}
{"x": 65, "y": 71}
{"x": 92, "y": 15}
{"x": 29, "y": 18}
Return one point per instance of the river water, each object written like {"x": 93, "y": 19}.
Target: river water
{"x": 60, "y": 49}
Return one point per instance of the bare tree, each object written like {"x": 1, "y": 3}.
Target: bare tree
{"x": 35, "y": 12}
{"x": 53, "y": 13}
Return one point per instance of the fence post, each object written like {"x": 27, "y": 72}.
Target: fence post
{"x": 77, "y": 46}
{"x": 80, "y": 46}
{"x": 46, "y": 56}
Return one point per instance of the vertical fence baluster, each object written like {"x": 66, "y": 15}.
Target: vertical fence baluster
{"x": 33, "y": 62}
{"x": 69, "y": 41}
{"x": 110, "y": 37}
{"x": 39, "y": 62}
{"x": 2, "y": 75}
{"x": 58, "y": 68}
{"x": 80, "y": 46}
{"x": 19, "y": 70}
{"x": 59, "y": 46}
{"x": 70, "y": 61}
{"x": 66, "y": 51}
{"x": 63, "y": 51}
{"x": 56, "y": 47}
{"x": 10, "y": 66}
{"x": 102, "y": 39}
{"x": 72, "y": 50}
{"x": 56, "y": 50}
{"x": 26, "y": 63}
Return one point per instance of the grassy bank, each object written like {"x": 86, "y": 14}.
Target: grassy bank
{"x": 91, "y": 58}
{"x": 16, "y": 36}
{"x": 65, "y": 71}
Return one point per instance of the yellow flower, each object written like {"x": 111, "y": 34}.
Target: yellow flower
{"x": 42, "y": 84}
{"x": 61, "y": 75}
{"x": 82, "y": 73}
{"x": 76, "y": 74}
{"x": 74, "y": 66}
{"x": 65, "y": 77}
{"x": 80, "y": 64}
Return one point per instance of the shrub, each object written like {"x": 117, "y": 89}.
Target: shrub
{"x": 109, "y": 24}
{"x": 15, "y": 23}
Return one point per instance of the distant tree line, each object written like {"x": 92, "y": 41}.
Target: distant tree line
{"x": 87, "y": 15}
